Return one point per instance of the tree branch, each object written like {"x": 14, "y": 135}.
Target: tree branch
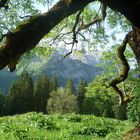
{"x": 125, "y": 68}
{"x": 26, "y": 36}
{"x": 74, "y": 33}
{"x": 97, "y": 19}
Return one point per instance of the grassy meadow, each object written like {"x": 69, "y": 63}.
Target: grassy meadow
{"x": 37, "y": 126}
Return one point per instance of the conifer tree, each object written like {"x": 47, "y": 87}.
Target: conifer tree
{"x": 2, "y": 103}
{"x": 27, "y": 89}
{"x": 41, "y": 93}
{"x": 69, "y": 87}
{"x": 20, "y": 96}
{"x": 13, "y": 100}
{"x": 54, "y": 83}
{"x": 81, "y": 94}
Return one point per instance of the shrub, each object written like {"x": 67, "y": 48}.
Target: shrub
{"x": 74, "y": 118}
{"x": 97, "y": 127}
{"x": 41, "y": 121}
{"x": 134, "y": 106}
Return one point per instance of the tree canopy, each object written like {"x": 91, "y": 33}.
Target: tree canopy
{"x": 26, "y": 34}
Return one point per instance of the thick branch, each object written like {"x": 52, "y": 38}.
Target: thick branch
{"x": 129, "y": 8}
{"x": 125, "y": 68}
{"x": 97, "y": 19}
{"x": 26, "y": 36}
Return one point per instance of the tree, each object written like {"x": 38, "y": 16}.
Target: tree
{"x": 134, "y": 105}
{"x": 81, "y": 94}
{"x": 99, "y": 100}
{"x": 26, "y": 88}
{"x": 2, "y": 103}
{"x": 99, "y": 91}
{"x": 41, "y": 93}
{"x": 53, "y": 83}
{"x": 13, "y": 100}
{"x": 69, "y": 87}
{"x": 20, "y": 95}
{"x": 61, "y": 102}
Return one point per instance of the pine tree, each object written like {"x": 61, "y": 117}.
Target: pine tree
{"x": 54, "y": 83}
{"x": 41, "y": 93}
{"x": 81, "y": 94}
{"x": 20, "y": 96}
{"x": 69, "y": 87}
{"x": 13, "y": 100}
{"x": 2, "y": 103}
{"x": 27, "y": 89}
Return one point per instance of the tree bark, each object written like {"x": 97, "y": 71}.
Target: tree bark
{"x": 135, "y": 45}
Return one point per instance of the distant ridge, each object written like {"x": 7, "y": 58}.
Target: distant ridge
{"x": 68, "y": 68}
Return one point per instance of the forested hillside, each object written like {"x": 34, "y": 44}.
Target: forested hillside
{"x": 64, "y": 69}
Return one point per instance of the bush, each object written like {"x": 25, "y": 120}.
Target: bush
{"x": 62, "y": 102}
{"x": 98, "y": 127}
{"x": 100, "y": 104}
{"x": 22, "y": 134}
{"x": 41, "y": 121}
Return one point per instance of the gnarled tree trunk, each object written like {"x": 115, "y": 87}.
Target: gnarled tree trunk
{"x": 135, "y": 44}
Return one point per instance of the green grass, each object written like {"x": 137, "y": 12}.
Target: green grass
{"x": 36, "y": 126}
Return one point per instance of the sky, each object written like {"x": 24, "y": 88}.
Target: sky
{"x": 43, "y": 8}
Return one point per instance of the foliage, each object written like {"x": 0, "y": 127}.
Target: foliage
{"x": 120, "y": 111}
{"x": 41, "y": 93}
{"x": 54, "y": 83}
{"x": 19, "y": 11}
{"x": 62, "y": 102}
{"x": 69, "y": 87}
{"x": 134, "y": 105}
{"x": 24, "y": 96}
{"x": 81, "y": 94}
{"x": 102, "y": 100}
{"x": 41, "y": 121}
{"x": 99, "y": 100}
{"x": 115, "y": 19}
{"x": 20, "y": 96}
{"x": 2, "y": 103}
{"x": 75, "y": 127}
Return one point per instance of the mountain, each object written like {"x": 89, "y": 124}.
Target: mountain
{"x": 68, "y": 68}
